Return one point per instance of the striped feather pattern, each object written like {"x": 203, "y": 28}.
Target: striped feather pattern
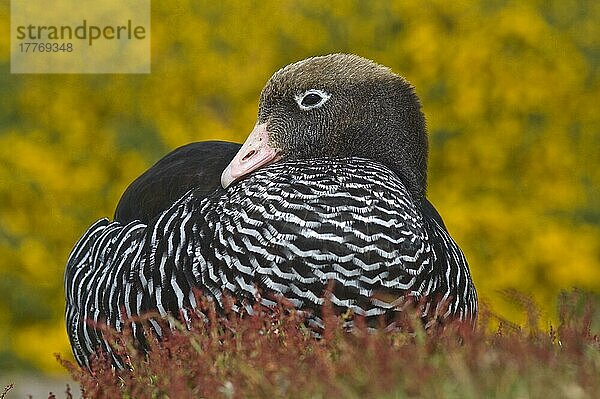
{"x": 286, "y": 231}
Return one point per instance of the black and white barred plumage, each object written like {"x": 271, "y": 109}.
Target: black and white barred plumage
{"x": 287, "y": 230}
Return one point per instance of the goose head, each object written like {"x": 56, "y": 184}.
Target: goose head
{"x": 337, "y": 105}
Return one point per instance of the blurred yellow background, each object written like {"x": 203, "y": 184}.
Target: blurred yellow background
{"x": 510, "y": 91}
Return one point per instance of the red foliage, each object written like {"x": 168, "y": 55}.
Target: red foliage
{"x": 272, "y": 354}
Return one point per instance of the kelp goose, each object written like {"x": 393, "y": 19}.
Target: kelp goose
{"x": 327, "y": 191}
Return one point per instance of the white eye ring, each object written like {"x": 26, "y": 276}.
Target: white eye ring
{"x": 311, "y": 99}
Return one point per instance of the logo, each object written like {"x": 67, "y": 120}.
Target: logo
{"x": 70, "y": 36}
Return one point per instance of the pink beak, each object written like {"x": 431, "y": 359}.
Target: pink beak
{"x": 255, "y": 152}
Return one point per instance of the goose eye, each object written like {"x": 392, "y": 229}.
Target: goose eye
{"x": 312, "y": 98}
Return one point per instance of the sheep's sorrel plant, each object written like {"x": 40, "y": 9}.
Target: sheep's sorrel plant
{"x": 273, "y": 354}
